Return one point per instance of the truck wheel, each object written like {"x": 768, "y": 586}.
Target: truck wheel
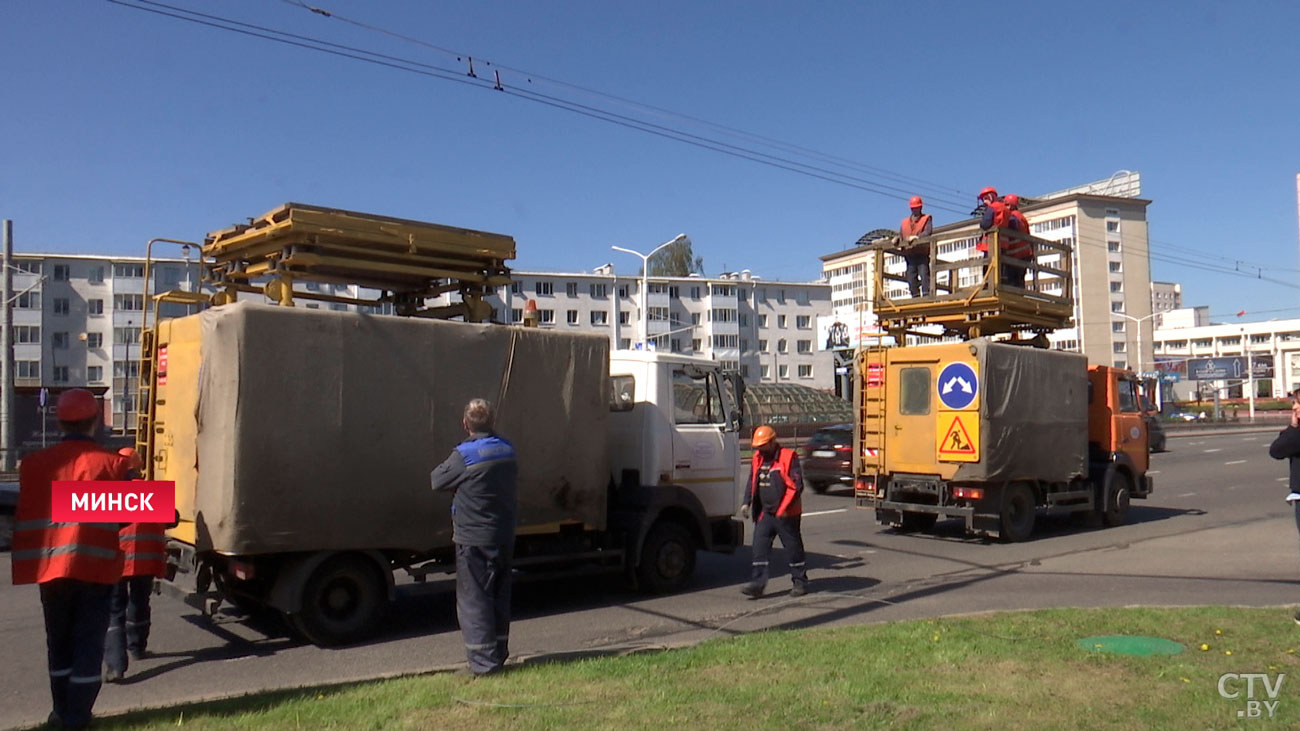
{"x": 342, "y": 601}
{"x": 1118, "y": 491}
{"x": 1016, "y": 521}
{"x": 917, "y": 522}
{"x": 667, "y": 558}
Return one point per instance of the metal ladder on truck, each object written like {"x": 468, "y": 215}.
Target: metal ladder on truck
{"x": 869, "y": 436}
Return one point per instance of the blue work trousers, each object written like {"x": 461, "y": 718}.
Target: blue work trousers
{"x": 483, "y": 604}
{"x": 76, "y": 621}
{"x": 129, "y": 621}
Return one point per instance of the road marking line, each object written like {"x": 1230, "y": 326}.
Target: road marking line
{"x": 1250, "y": 439}
{"x": 1153, "y": 472}
{"x": 1236, "y": 461}
{"x": 1283, "y": 479}
{"x": 1208, "y": 451}
{"x": 1233, "y": 487}
{"x": 825, "y": 512}
{"x": 1187, "y": 494}
{"x": 1195, "y": 444}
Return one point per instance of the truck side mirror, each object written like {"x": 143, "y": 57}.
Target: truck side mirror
{"x": 735, "y": 421}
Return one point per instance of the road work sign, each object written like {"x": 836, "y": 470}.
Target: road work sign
{"x": 958, "y": 386}
{"x": 959, "y": 437}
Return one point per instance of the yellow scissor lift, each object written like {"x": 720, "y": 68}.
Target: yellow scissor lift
{"x": 984, "y": 305}
{"x": 405, "y": 261}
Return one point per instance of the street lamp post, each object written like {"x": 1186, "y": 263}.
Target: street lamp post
{"x": 645, "y": 280}
{"x": 1138, "y": 322}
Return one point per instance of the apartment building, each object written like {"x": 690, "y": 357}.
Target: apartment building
{"x": 77, "y": 322}
{"x": 765, "y": 329}
{"x": 1166, "y": 296}
{"x": 77, "y": 319}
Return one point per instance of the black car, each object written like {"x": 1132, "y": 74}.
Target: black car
{"x": 1155, "y": 432}
{"x": 828, "y": 458}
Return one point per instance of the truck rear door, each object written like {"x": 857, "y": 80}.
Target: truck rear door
{"x": 910, "y": 413}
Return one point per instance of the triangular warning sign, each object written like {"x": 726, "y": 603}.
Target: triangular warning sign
{"x": 957, "y": 441}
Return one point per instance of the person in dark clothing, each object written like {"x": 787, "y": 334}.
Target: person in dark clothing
{"x": 774, "y": 498}
{"x": 484, "y": 477}
{"x": 1287, "y": 446}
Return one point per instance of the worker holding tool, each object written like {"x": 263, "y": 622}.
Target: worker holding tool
{"x": 483, "y": 476}
{"x": 916, "y": 253}
{"x": 773, "y": 498}
{"x": 76, "y": 564}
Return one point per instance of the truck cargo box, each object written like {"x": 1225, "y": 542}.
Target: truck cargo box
{"x": 977, "y": 411}
{"x": 1033, "y": 414}
{"x": 293, "y": 429}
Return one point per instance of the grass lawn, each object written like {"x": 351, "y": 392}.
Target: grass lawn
{"x": 1004, "y": 671}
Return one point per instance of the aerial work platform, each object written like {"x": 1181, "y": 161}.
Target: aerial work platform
{"x": 969, "y": 297}
{"x": 406, "y": 261}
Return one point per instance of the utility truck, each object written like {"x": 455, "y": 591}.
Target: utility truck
{"x": 301, "y": 440}
{"x": 992, "y": 431}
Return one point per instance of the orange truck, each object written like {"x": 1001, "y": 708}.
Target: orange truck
{"x": 996, "y": 433}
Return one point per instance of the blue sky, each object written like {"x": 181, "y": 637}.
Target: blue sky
{"x": 122, "y": 125}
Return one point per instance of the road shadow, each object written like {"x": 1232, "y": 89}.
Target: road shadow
{"x": 1047, "y": 525}
{"x": 426, "y": 610}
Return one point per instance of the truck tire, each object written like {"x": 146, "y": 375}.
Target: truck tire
{"x": 1018, "y": 512}
{"x": 667, "y": 557}
{"x": 342, "y": 601}
{"x": 917, "y": 522}
{"x": 1118, "y": 491}
{"x": 817, "y": 487}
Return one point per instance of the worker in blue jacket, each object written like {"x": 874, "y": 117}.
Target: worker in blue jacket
{"x": 483, "y": 476}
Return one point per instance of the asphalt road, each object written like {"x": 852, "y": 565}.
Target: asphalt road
{"x": 1216, "y": 532}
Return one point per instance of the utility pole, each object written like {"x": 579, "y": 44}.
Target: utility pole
{"x": 7, "y": 358}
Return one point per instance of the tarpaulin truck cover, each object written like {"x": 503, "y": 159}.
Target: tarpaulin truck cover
{"x": 317, "y": 430}
{"x": 1033, "y": 414}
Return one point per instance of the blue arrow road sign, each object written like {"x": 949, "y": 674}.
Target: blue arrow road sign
{"x": 958, "y": 385}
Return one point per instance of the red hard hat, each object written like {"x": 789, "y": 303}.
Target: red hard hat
{"x": 76, "y": 404}
{"x": 915, "y": 202}
{"x": 1012, "y": 200}
{"x": 988, "y": 191}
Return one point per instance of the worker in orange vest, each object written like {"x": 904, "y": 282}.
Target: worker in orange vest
{"x": 144, "y": 546}
{"x": 1016, "y": 247}
{"x": 917, "y": 226}
{"x": 994, "y": 214}
{"x": 76, "y": 564}
{"x": 773, "y": 497}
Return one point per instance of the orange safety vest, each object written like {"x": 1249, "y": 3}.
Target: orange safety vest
{"x": 791, "y": 506}
{"x": 1000, "y": 220}
{"x": 1018, "y": 247}
{"x": 909, "y": 228}
{"x": 145, "y": 549}
{"x": 44, "y": 550}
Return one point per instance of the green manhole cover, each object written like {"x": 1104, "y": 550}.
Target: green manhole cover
{"x": 1130, "y": 645}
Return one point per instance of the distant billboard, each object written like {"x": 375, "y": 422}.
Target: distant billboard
{"x": 847, "y": 331}
{"x": 1230, "y": 367}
